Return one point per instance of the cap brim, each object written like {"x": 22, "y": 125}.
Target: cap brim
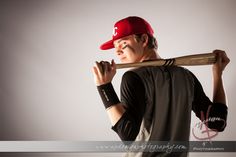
{"x": 107, "y": 45}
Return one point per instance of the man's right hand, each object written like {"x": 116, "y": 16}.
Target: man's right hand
{"x": 221, "y": 62}
{"x": 104, "y": 72}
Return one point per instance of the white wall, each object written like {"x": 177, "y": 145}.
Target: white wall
{"x": 47, "y": 50}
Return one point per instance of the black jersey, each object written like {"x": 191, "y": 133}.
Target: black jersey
{"x": 158, "y": 103}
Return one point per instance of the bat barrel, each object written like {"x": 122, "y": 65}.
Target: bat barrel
{"x": 197, "y": 59}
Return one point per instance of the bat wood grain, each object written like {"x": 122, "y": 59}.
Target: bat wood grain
{"x": 188, "y": 60}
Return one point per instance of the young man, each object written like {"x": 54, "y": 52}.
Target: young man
{"x": 156, "y": 102}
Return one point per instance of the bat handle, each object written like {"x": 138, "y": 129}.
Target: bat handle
{"x": 139, "y": 64}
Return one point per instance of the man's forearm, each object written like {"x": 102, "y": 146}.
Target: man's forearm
{"x": 218, "y": 90}
{"x": 115, "y": 113}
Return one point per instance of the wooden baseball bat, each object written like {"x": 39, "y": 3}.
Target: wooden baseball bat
{"x": 189, "y": 60}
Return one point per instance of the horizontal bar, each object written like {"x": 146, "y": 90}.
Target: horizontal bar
{"x": 115, "y": 146}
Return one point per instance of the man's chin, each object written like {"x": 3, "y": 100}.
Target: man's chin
{"x": 125, "y": 61}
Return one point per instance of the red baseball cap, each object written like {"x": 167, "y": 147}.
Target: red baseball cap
{"x": 128, "y": 26}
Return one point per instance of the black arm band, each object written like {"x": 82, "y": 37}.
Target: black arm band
{"x": 108, "y": 95}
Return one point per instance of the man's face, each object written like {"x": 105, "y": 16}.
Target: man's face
{"x": 128, "y": 49}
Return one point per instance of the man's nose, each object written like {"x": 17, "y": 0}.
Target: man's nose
{"x": 119, "y": 52}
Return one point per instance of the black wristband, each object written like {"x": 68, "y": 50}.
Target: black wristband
{"x": 108, "y": 95}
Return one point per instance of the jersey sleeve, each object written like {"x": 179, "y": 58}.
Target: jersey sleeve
{"x": 133, "y": 98}
{"x": 214, "y": 115}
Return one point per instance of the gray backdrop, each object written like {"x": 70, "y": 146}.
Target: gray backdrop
{"x": 48, "y": 48}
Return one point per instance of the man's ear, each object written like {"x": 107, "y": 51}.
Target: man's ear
{"x": 144, "y": 40}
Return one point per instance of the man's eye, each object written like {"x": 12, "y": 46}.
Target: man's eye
{"x": 124, "y": 45}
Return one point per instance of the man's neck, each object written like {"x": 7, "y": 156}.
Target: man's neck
{"x": 150, "y": 54}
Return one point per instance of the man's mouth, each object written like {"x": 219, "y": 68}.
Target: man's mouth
{"x": 122, "y": 58}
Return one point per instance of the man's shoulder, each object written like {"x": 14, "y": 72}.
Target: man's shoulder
{"x": 155, "y": 70}
{"x": 130, "y": 75}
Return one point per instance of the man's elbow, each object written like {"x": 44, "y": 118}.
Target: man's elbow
{"x": 129, "y": 135}
{"x": 217, "y": 126}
